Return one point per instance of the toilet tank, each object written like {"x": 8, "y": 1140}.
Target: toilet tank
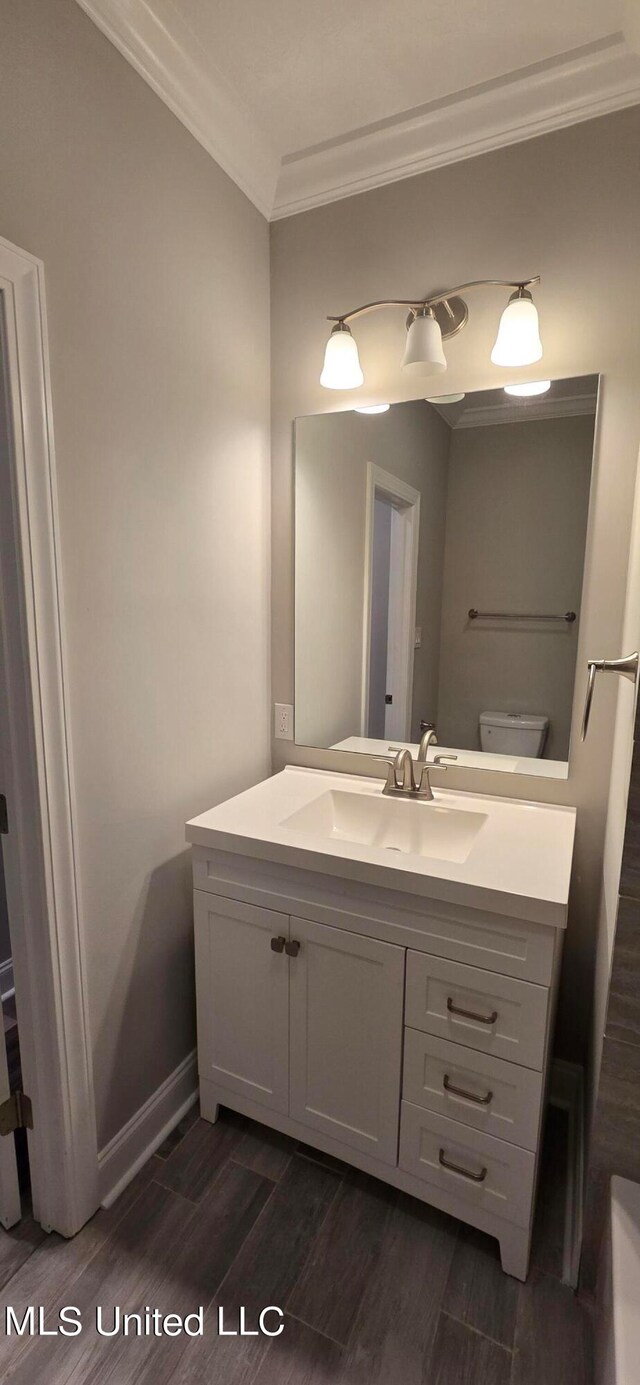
{"x": 513, "y": 733}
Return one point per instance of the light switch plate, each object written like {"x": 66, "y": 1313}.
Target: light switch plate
{"x": 283, "y": 721}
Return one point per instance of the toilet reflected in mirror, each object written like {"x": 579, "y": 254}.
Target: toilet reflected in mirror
{"x": 440, "y": 551}
{"x": 513, "y": 733}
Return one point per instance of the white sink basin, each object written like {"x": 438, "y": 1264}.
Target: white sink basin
{"x": 418, "y": 827}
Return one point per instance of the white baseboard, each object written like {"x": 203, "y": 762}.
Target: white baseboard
{"x": 125, "y": 1154}
{"x": 566, "y": 1090}
{"x": 7, "y": 986}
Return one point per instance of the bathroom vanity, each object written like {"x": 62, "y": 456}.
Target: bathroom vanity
{"x": 378, "y": 979}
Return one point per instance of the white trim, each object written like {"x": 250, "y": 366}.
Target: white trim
{"x": 39, "y": 851}
{"x": 383, "y": 482}
{"x": 170, "y": 59}
{"x": 525, "y": 411}
{"x": 7, "y": 986}
{"x": 575, "y": 86}
{"x": 126, "y": 1153}
{"x": 566, "y": 1090}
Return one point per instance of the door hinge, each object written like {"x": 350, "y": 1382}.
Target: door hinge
{"x": 16, "y": 1114}
{"x": 4, "y": 816}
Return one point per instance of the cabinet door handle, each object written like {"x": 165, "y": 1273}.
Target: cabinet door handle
{"x": 278, "y": 944}
{"x": 457, "y": 1168}
{"x": 292, "y": 948}
{"x": 468, "y": 1096}
{"x": 471, "y": 1014}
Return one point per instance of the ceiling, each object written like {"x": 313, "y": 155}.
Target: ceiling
{"x": 303, "y": 103}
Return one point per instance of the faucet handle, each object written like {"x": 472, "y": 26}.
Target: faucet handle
{"x": 438, "y": 760}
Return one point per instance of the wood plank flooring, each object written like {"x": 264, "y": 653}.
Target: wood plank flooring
{"x": 377, "y": 1289}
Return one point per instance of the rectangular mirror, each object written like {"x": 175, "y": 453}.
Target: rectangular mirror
{"x": 439, "y": 563}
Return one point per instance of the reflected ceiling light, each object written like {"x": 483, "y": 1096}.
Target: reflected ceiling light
{"x": 444, "y": 398}
{"x": 431, "y": 321}
{"x": 531, "y": 387}
{"x": 518, "y": 340}
{"x": 423, "y": 354}
{"x": 341, "y": 369}
{"x": 371, "y": 408}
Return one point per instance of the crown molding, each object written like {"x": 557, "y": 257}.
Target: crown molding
{"x": 579, "y": 85}
{"x": 575, "y": 86}
{"x": 172, "y": 62}
{"x": 525, "y": 411}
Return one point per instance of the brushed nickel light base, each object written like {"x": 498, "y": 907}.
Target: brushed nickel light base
{"x": 451, "y": 315}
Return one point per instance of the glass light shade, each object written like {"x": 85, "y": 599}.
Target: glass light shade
{"x": 341, "y": 369}
{"x": 423, "y": 354}
{"x": 518, "y": 340}
{"x": 372, "y": 408}
{"x": 531, "y": 387}
{"x": 444, "y": 398}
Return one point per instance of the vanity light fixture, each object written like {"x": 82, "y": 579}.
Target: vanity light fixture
{"x": 341, "y": 369}
{"x": 423, "y": 352}
{"x": 518, "y": 340}
{"x": 371, "y": 408}
{"x": 529, "y": 388}
{"x": 431, "y": 321}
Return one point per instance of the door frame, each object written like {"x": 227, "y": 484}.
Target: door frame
{"x": 406, "y": 501}
{"x": 40, "y": 851}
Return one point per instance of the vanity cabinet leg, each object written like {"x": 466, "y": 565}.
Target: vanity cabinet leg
{"x": 209, "y": 1108}
{"x": 515, "y": 1245}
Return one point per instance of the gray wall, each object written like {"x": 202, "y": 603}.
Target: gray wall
{"x": 567, "y": 206}
{"x": 157, "y": 286}
{"x": 332, "y": 452}
{"x": 517, "y": 508}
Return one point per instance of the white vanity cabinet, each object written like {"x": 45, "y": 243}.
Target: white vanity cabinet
{"x": 304, "y": 1019}
{"x": 407, "y": 1036}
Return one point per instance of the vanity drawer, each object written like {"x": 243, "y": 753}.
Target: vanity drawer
{"x": 501, "y": 1098}
{"x": 480, "y": 1009}
{"x": 468, "y": 1164}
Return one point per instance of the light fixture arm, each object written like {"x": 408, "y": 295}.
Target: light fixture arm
{"x": 417, "y": 305}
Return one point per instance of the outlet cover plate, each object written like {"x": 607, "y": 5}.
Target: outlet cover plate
{"x": 283, "y": 721}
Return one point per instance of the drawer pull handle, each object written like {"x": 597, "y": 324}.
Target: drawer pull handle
{"x": 278, "y": 944}
{"x": 471, "y": 1014}
{"x": 292, "y": 949}
{"x": 457, "y": 1168}
{"x": 468, "y": 1096}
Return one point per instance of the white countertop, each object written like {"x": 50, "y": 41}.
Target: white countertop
{"x": 467, "y": 759}
{"x": 520, "y": 863}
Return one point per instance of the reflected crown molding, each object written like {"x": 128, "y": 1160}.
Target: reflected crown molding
{"x": 571, "y": 87}
{"x": 521, "y": 411}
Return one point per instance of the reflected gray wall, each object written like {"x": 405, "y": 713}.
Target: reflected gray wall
{"x": 332, "y": 452}
{"x": 517, "y": 507}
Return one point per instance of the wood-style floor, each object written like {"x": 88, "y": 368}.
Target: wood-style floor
{"x": 378, "y": 1289}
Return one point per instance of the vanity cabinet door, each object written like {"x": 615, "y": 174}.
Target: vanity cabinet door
{"x": 242, "y": 975}
{"x": 346, "y": 1036}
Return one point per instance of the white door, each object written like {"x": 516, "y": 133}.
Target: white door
{"x": 346, "y": 1036}
{"x": 391, "y": 576}
{"x": 242, "y": 977}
